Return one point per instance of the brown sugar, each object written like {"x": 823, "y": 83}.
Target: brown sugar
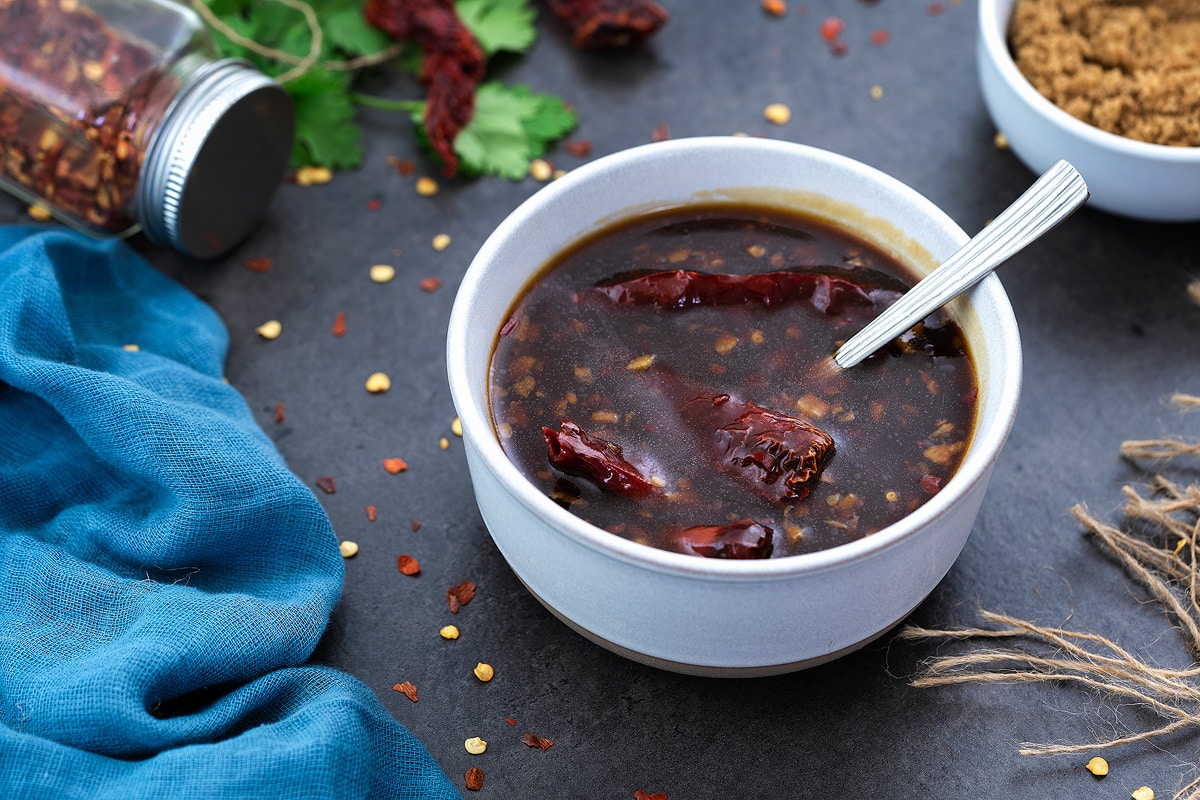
{"x": 1130, "y": 67}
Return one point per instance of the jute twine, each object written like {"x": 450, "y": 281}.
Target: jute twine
{"x": 1032, "y": 653}
{"x": 299, "y": 64}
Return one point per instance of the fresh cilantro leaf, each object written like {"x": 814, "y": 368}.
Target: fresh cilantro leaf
{"x": 326, "y": 133}
{"x": 348, "y": 31}
{"x": 499, "y": 24}
{"x": 511, "y": 127}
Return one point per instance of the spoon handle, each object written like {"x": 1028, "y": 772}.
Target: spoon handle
{"x": 1052, "y": 198}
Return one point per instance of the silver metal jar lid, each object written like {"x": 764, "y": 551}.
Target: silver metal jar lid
{"x": 217, "y": 158}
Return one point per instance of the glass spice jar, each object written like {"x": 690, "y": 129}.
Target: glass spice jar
{"x": 117, "y": 116}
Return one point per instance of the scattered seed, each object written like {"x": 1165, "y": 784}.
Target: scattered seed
{"x": 431, "y": 284}
{"x": 474, "y": 779}
{"x": 313, "y": 176}
{"x": 258, "y": 264}
{"x": 372, "y": 513}
{"x": 484, "y": 672}
{"x": 407, "y": 689}
{"x": 475, "y": 746}
{"x": 39, "y": 212}
{"x": 130, "y": 348}
{"x": 327, "y": 484}
{"x": 777, "y": 114}
{"x": 877, "y": 92}
{"x": 348, "y": 549}
{"x": 441, "y": 242}
{"x": 444, "y": 443}
{"x": 426, "y": 186}
{"x": 408, "y": 565}
{"x": 456, "y": 427}
{"x": 339, "y": 323}
{"x": 1000, "y": 141}
{"x": 378, "y": 382}
{"x": 395, "y": 465}
{"x": 1143, "y": 793}
{"x": 1098, "y": 767}
{"x": 540, "y": 169}
{"x": 449, "y": 632}
{"x": 776, "y": 8}
{"x": 270, "y": 329}
{"x": 725, "y": 343}
{"x": 280, "y": 413}
{"x": 382, "y": 273}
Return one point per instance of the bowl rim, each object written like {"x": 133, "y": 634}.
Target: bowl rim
{"x": 478, "y": 432}
{"x": 993, "y": 38}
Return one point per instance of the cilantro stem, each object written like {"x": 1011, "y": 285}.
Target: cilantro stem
{"x": 382, "y": 103}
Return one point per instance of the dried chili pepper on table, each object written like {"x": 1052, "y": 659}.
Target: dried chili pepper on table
{"x": 598, "y": 24}
{"x": 452, "y": 68}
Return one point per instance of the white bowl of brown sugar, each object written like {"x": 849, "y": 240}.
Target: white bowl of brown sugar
{"x": 658, "y": 440}
{"x": 1111, "y": 86}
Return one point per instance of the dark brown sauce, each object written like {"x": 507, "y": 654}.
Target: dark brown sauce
{"x": 703, "y": 414}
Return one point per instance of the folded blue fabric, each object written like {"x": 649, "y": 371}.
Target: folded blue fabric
{"x": 163, "y": 576}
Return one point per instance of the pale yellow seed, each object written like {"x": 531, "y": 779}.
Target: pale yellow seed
{"x": 777, "y": 114}
{"x": 270, "y": 329}
{"x": 1143, "y": 793}
{"x": 426, "y": 186}
{"x": 1000, "y": 141}
{"x": 540, "y": 169}
{"x": 484, "y": 672}
{"x": 133, "y": 348}
{"x": 725, "y": 342}
{"x": 382, "y": 273}
{"x": 378, "y": 382}
{"x": 444, "y": 443}
{"x": 641, "y": 363}
{"x": 658, "y": 480}
{"x": 877, "y": 92}
{"x": 756, "y": 250}
{"x": 448, "y": 632}
{"x": 475, "y": 745}
{"x": 313, "y": 176}
{"x": 558, "y": 173}
{"x": 348, "y": 549}
{"x": 456, "y": 427}
{"x": 441, "y": 242}
{"x": 1098, "y": 767}
{"x": 38, "y": 212}
{"x": 609, "y": 417}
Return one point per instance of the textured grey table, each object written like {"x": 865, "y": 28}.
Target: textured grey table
{"x": 1109, "y": 333}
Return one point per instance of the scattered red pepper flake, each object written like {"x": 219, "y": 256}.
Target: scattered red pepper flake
{"x": 339, "y": 324}
{"x": 460, "y": 595}
{"x": 510, "y": 720}
{"x": 533, "y": 740}
{"x": 641, "y": 795}
{"x": 407, "y": 689}
{"x": 404, "y": 166}
{"x": 395, "y": 465}
{"x": 374, "y": 204}
{"x": 661, "y": 132}
{"x": 776, "y": 8}
{"x": 259, "y": 264}
{"x": 609, "y": 23}
{"x": 474, "y": 779}
{"x": 327, "y": 484}
{"x": 581, "y": 148}
{"x": 880, "y": 37}
{"x": 415, "y": 525}
{"x": 280, "y": 413}
{"x": 408, "y": 565}
{"x": 831, "y": 29}
{"x": 372, "y": 513}
{"x": 935, "y": 8}
{"x": 431, "y": 284}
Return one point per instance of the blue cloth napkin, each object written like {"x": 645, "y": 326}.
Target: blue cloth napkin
{"x": 163, "y": 576}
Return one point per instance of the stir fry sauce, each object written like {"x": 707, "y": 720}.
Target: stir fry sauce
{"x": 670, "y": 380}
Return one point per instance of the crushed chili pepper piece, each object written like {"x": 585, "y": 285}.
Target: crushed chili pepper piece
{"x": 581, "y": 148}
{"x": 415, "y": 525}
{"x": 372, "y": 513}
{"x": 431, "y": 284}
{"x": 339, "y": 323}
{"x": 930, "y": 484}
{"x": 452, "y": 64}
{"x": 407, "y": 689}
{"x": 395, "y": 465}
{"x": 880, "y": 37}
{"x": 259, "y": 264}
{"x": 459, "y": 595}
{"x": 935, "y": 8}
{"x": 641, "y": 795}
{"x": 661, "y": 132}
{"x": 831, "y": 29}
{"x": 510, "y": 720}
{"x": 280, "y": 413}
{"x": 408, "y": 565}
{"x": 598, "y": 24}
{"x": 533, "y": 740}
{"x": 595, "y": 459}
{"x": 404, "y": 166}
{"x": 374, "y": 204}
{"x": 327, "y": 484}
{"x": 776, "y": 8}
{"x": 473, "y": 778}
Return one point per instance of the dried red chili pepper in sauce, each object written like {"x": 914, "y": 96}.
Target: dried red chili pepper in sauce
{"x": 596, "y": 24}
{"x": 680, "y": 288}
{"x": 742, "y": 539}
{"x": 598, "y": 460}
{"x": 452, "y": 68}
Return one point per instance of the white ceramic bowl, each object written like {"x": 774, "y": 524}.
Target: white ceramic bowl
{"x": 1135, "y": 179}
{"x": 714, "y": 616}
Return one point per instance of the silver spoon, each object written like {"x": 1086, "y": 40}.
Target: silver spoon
{"x": 1052, "y": 198}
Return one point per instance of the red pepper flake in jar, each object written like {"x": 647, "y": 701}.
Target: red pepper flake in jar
{"x": 431, "y": 284}
{"x": 259, "y": 264}
{"x": 474, "y": 779}
{"x": 407, "y": 689}
{"x": 327, "y": 484}
{"x": 339, "y": 324}
{"x": 460, "y": 595}
{"x": 408, "y": 565}
{"x": 372, "y": 513}
{"x": 395, "y": 465}
{"x": 533, "y": 740}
